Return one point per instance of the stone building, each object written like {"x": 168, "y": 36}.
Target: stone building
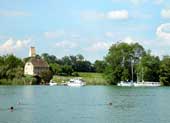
{"x": 35, "y": 65}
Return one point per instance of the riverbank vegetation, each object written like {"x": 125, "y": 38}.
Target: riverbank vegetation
{"x": 89, "y": 77}
{"x": 123, "y": 62}
{"x": 126, "y": 62}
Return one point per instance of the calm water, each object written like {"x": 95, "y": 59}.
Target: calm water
{"x": 57, "y": 104}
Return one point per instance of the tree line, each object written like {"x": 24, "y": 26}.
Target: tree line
{"x": 123, "y": 62}
{"x": 12, "y": 67}
{"x": 124, "y": 59}
{"x": 68, "y": 65}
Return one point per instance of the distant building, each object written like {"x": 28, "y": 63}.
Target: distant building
{"x": 32, "y": 52}
{"x": 35, "y": 66}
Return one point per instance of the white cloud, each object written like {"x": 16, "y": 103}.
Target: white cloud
{"x": 112, "y": 15}
{"x": 98, "y": 46}
{"x": 163, "y": 31}
{"x": 129, "y": 40}
{"x": 12, "y": 46}
{"x": 13, "y": 13}
{"x": 53, "y": 35}
{"x": 165, "y": 13}
{"x": 118, "y": 14}
{"x": 66, "y": 44}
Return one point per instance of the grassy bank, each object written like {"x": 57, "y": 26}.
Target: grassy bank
{"x": 89, "y": 78}
{"x": 26, "y": 80}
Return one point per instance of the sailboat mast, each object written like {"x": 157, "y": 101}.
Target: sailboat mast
{"x": 142, "y": 74}
{"x": 132, "y": 68}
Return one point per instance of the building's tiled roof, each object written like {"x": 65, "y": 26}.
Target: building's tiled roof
{"x": 38, "y": 62}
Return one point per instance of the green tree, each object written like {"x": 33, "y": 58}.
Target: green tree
{"x": 66, "y": 70}
{"x": 66, "y": 60}
{"x": 83, "y": 66}
{"x": 165, "y": 70}
{"x": 11, "y": 67}
{"x": 79, "y": 57}
{"x": 50, "y": 59}
{"x": 55, "y": 68}
{"x": 119, "y": 61}
{"x": 99, "y": 66}
{"x": 46, "y": 76}
{"x": 148, "y": 68}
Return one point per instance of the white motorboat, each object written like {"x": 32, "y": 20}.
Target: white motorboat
{"x": 52, "y": 83}
{"x": 125, "y": 84}
{"x": 147, "y": 84}
{"x": 76, "y": 82}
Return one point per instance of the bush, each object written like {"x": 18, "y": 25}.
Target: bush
{"x": 46, "y": 76}
{"x": 30, "y": 80}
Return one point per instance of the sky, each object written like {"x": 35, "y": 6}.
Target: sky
{"x": 87, "y": 27}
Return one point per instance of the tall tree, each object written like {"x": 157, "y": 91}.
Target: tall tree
{"x": 148, "y": 68}
{"x": 49, "y": 58}
{"x": 119, "y": 61}
{"x": 66, "y": 60}
{"x": 11, "y": 67}
{"x": 99, "y": 66}
{"x": 165, "y": 70}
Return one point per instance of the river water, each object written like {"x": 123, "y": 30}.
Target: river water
{"x": 89, "y": 104}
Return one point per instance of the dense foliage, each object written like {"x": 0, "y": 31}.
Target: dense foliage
{"x": 10, "y": 67}
{"x": 127, "y": 62}
{"x": 124, "y": 62}
{"x": 46, "y": 76}
{"x": 120, "y": 60}
{"x": 68, "y": 64}
{"x": 165, "y": 70}
{"x": 99, "y": 66}
{"x": 12, "y": 71}
{"x": 148, "y": 68}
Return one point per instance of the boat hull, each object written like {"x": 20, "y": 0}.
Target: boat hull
{"x": 147, "y": 84}
{"x": 139, "y": 84}
{"x": 52, "y": 84}
{"x": 125, "y": 84}
{"x": 75, "y": 85}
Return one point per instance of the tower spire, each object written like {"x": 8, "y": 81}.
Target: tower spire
{"x": 32, "y": 52}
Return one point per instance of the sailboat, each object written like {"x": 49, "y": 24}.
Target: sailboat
{"x": 146, "y": 83}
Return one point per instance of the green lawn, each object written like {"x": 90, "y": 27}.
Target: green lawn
{"x": 89, "y": 78}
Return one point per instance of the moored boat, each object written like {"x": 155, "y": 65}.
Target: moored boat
{"x": 52, "y": 83}
{"x": 76, "y": 82}
{"x": 125, "y": 84}
{"x": 147, "y": 84}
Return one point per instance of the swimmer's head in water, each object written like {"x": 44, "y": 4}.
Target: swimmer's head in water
{"x": 11, "y": 107}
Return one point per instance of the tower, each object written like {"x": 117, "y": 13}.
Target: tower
{"x": 32, "y": 52}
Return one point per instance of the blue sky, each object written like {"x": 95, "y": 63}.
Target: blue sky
{"x": 87, "y": 27}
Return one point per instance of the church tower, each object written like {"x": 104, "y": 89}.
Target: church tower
{"x": 32, "y": 52}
